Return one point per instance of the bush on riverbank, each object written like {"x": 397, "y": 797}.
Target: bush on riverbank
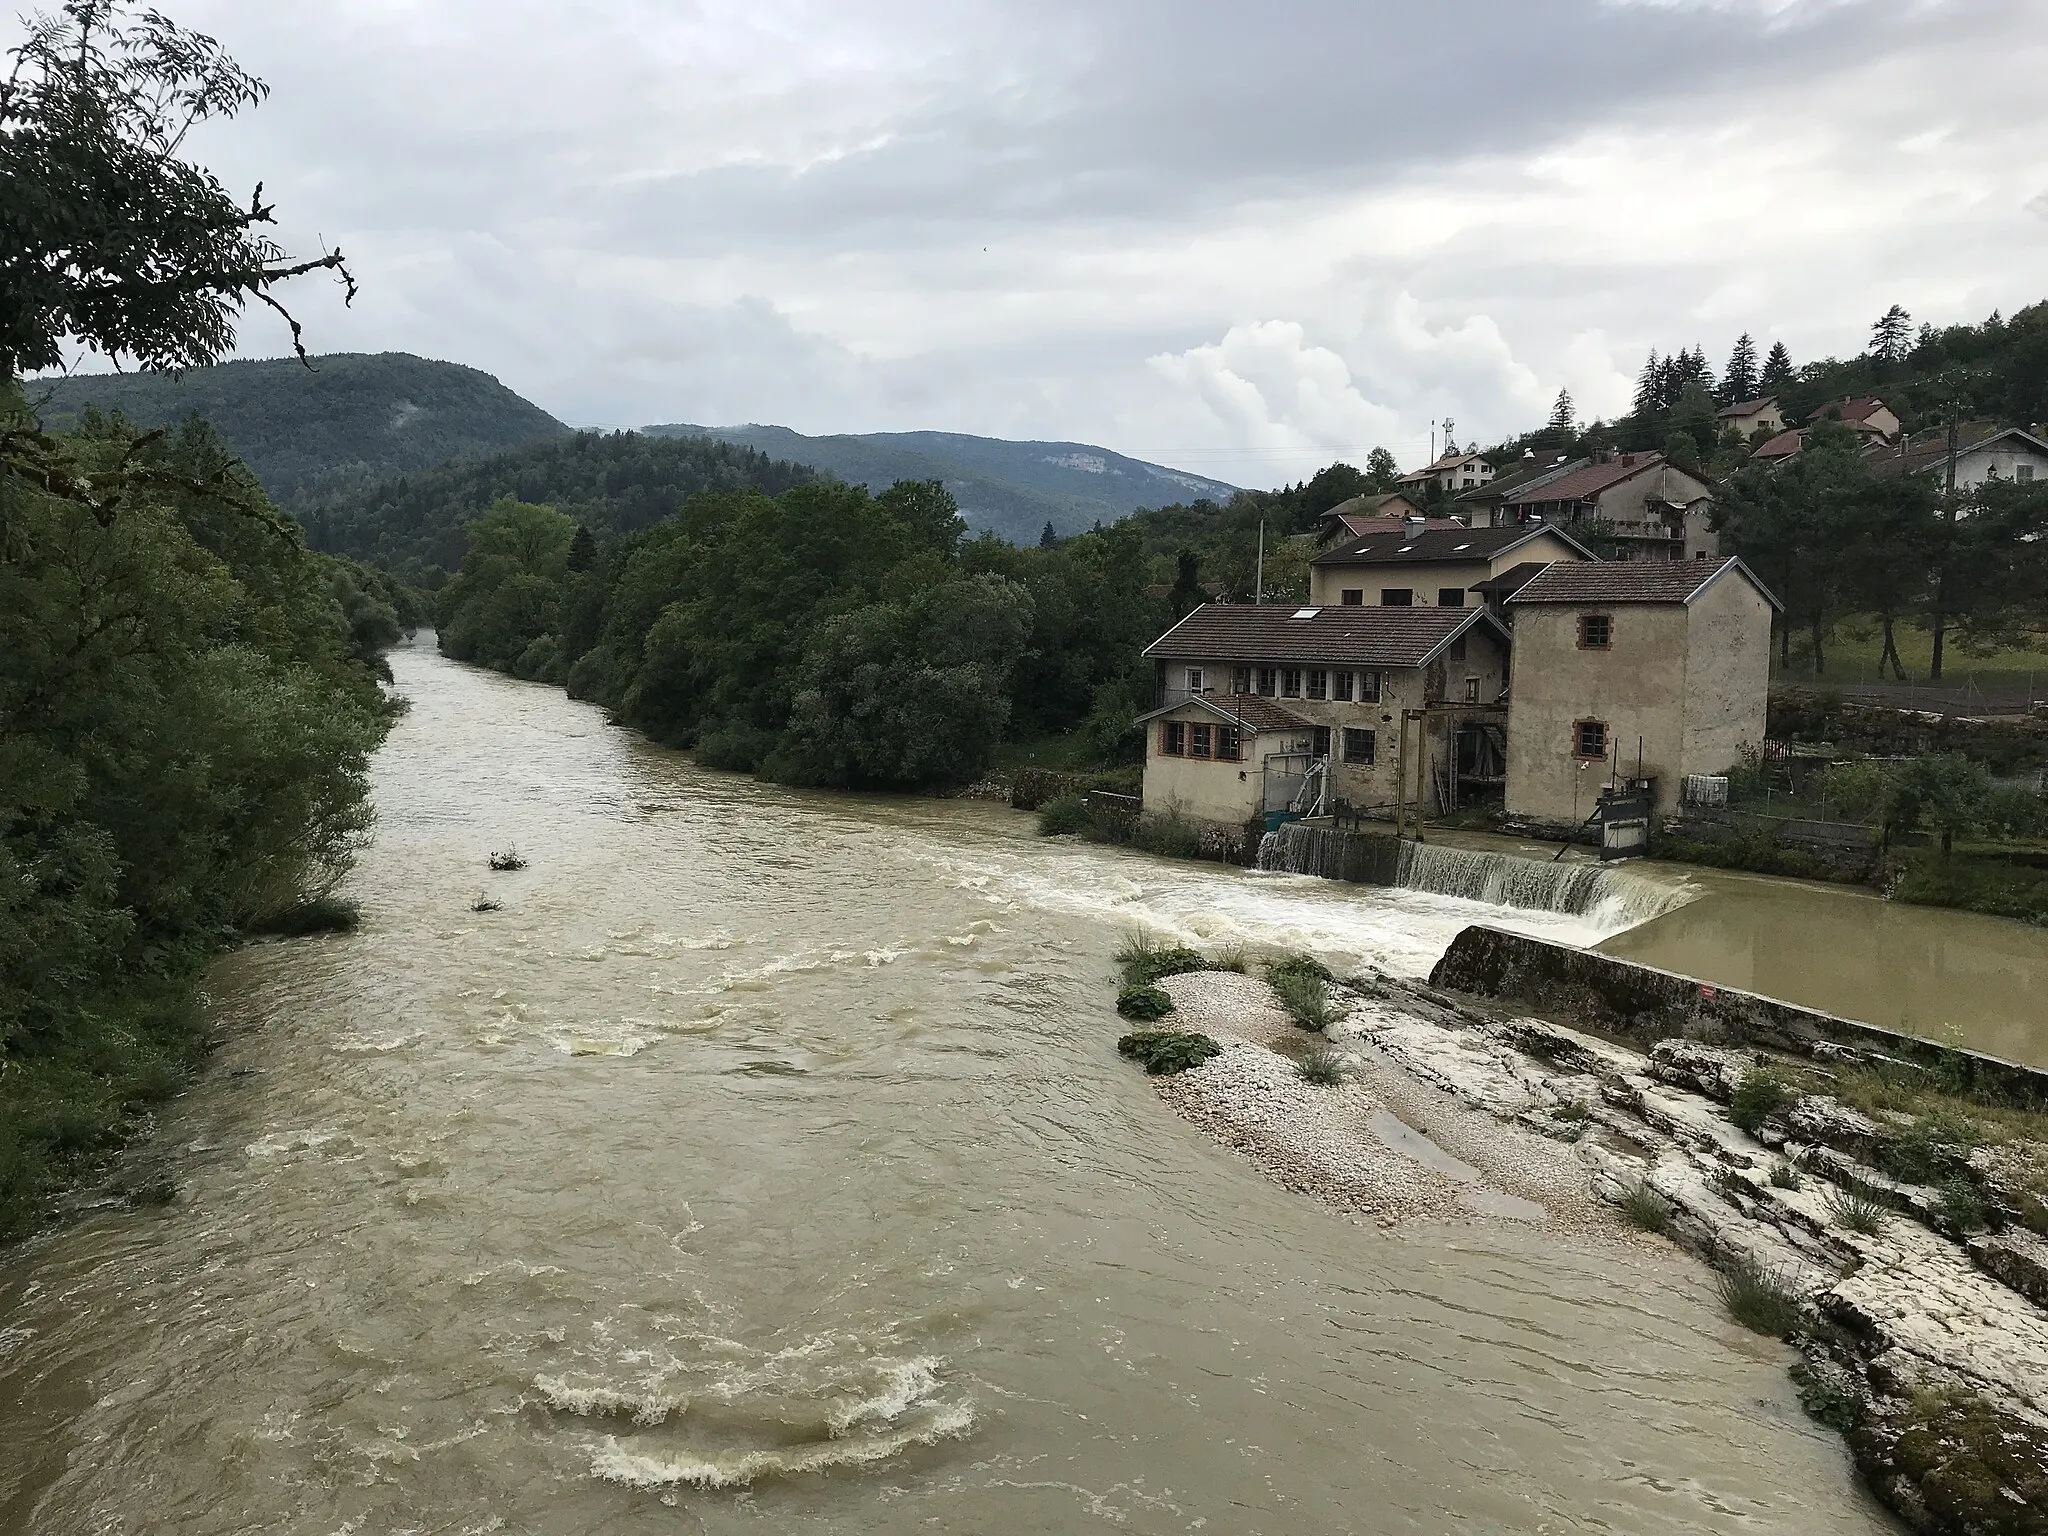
{"x": 187, "y": 708}
{"x": 1977, "y": 882}
{"x": 1143, "y": 1002}
{"x": 1163, "y": 1052}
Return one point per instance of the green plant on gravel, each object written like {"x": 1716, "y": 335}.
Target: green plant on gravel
{"x": 1302, "y": 984}
{"x": 1143, "y": 1003}
{"x": 1061, "y": 815}
{"x": 1764, "y": 1300}
{"x": 1934, "y": 1149}
{"x": 1232, "y": 958}
{"x": 1144, "y": 959}
{"x": 1570, "y": 1110}
{"x": 1785, "y": 1176}
{"x": 1856, "y": 1213}
{"x": 1163, "y": 1052}
{"x": 1644, "y": 1208}
{"x": 1321, "y": 1066}
{"x": 1760, "y": 1094}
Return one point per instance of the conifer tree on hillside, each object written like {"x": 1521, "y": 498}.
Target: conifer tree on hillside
{"x": 1777, "y": 373}
{"x": 1564, "y": 419}
{"x": 1048, "y": 538}
{"x": 1891, "y": 336}
{"x": 1739, "y": 379}
{"x": 1650, "y": 386}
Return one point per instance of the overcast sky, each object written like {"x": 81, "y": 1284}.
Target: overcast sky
{"x": 1238, "y": 238}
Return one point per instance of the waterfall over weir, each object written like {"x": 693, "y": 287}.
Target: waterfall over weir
{"x": 1610, "y": 897}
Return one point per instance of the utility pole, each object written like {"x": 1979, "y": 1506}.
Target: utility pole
{"x": 1948, "y": 516}
{"x": 1259, "y": 578}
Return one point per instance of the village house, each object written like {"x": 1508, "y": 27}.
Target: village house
{"x": 1651, "y": 508}
{"x": 1480, "y": 506}
{"x": 1983, "y": 453}
{"x": 1868, "y": 416}
{"x": 1633, "y": 671}
{"x": 1361, "y": 515}
{"x": 1430, "y": 567}
{"x": 1749, "y": 417}
{"x": 1453, "y": 471}
{"x": 1266, "y": 708}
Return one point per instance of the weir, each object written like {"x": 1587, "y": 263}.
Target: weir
{"x": 1607, "y": 895}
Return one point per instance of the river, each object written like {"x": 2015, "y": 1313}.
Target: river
{"x": 766, "y": 1164}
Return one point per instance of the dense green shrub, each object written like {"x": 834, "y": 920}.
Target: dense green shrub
{"x": 1163, "y": 1052}
{"x": 1143, "y": 1003}
{"x": 735, "y": 748}
{"x": 1144, "y": 959}
{"x": 1760, "y": 1094}
{"x": 1063, "y": 814}
{"x": 1977, "y": 883}
{"x": 1167, "y": 833}
{"x": 325, "y": 914}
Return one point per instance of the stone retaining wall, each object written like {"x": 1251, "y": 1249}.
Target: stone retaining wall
{"x": 1643, "y": 1004}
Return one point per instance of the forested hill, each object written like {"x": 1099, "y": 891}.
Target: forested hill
{"x": 416, "y": 526}
{"x": 1012, "y": 489}
{"x": 342, "y": 425}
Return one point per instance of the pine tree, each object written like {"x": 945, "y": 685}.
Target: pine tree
{"x": 1047, "y": 539}
{"x": 1650, "y": 386}
{"x": 1564, "y": 418}
{"x": 1777, "y": 374}
{"x": 582, "y": 550}
{"x": 1738, "y": 380}
{"x": 1891, "y": 336}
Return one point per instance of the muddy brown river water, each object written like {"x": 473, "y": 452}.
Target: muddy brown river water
{"x": 766, "y": 1164}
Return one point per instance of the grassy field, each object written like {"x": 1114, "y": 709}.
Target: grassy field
{"x": 1852, "y": 652}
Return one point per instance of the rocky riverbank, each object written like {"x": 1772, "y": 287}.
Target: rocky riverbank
{"x": 1912, "y": 1286}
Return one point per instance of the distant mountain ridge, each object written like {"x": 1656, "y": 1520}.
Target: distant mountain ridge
{"x": 1010, "y": 488}
{"x": 349, "y": 421}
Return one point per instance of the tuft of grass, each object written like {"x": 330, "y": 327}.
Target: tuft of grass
{"x": 1760, "y": 1094}
{"x": 1760, "y": 1298}
{"x": 1856, "y": 1213}
{"x": 323, "y": 914}
{"x": 1934, "y": 1149}
{"x": 1571, "y": 1110}
{"x": 1303, "y": 986}
{"x": 484, "y": 903}
{"x": 1321, "y": 1066}
{"x": 508, "y": 858}
{"x": 1145, "y": 1003}
{"x": 1163, "y": 1052}
{"x": 1643, "y": 1207}
{"x": 1063, "y": 814}
{"x": 1232, "y": 958}
{"x": 1785, "y": 1176}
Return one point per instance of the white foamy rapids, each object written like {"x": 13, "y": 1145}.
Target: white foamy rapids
{"x": 626, "y": 1043}
{"x": 647, "y": 1404}
{"x": 616, "y": 1463}
{"x": 1610, "y": 898}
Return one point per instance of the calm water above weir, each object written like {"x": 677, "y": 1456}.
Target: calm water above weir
{"x": 778, "y": 1140}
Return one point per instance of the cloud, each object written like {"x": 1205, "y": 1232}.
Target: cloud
{"x": 1187, "y": 229}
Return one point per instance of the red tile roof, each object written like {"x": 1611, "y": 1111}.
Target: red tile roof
{"x": 1783, "y": 446}
{"x": 1631, "y": 581}
{"x": 1852, "y": 410}
{"x": 1269, "y": 633}
{"x": 1747, "y": 407}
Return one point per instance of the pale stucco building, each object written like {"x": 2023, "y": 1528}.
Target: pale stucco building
{"x": 1258, "y": 698}
{"x": 1430, "y": 567}
{"x": 1627, "y": 670}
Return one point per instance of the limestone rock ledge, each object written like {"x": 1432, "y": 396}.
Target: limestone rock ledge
{"x": 1929, "y": 1353}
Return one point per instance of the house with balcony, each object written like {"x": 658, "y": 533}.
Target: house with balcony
{"x": 1270, "y": 708}
{"x": 1430, "y": 567}
{"x": 1649, "y": 507}
{"x": 1388, "y": 512}
{"x": 1633, "y": 670}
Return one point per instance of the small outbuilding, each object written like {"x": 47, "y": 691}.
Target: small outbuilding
{"x": 1637, "y": 670}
